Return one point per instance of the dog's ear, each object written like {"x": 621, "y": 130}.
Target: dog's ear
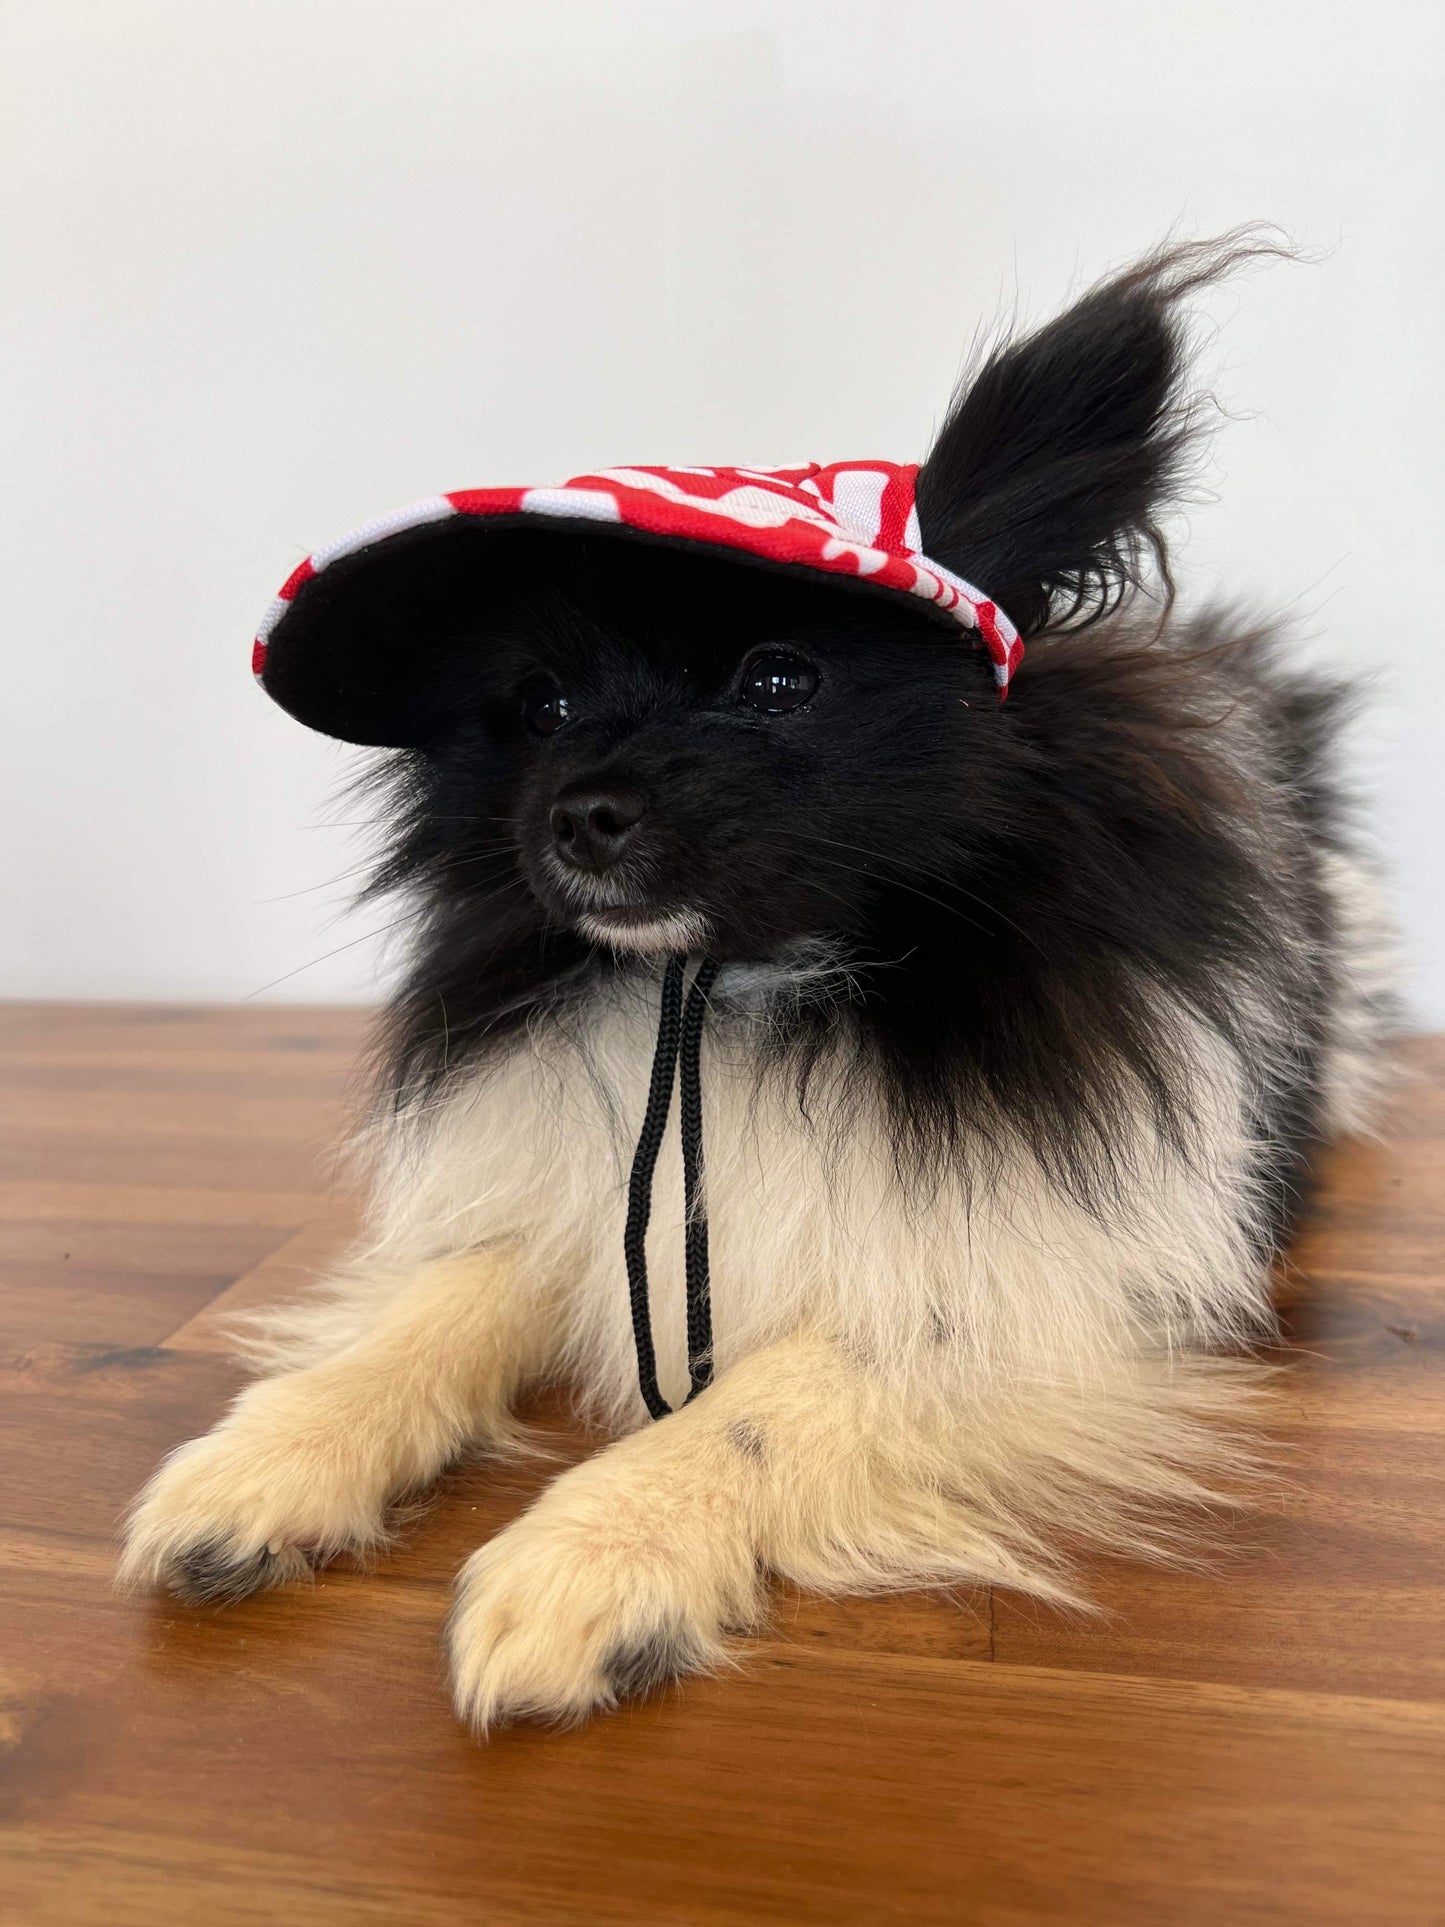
{"x": 1060, "y": 451}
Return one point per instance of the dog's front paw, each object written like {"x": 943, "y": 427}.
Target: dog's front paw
{"x": 274, "y": 1490}
{"x": 601, "y": 1592}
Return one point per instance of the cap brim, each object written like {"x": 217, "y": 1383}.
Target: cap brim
{"x": 361, "y": 649}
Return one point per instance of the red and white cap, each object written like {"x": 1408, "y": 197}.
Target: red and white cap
{"x": 851, "y": 520}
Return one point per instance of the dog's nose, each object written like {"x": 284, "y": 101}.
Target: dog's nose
{"x": 591, "y": 825}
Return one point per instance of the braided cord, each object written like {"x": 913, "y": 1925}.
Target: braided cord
{"x": 679, "y": 1036}
{"x": 699, "y": 1284}
{"x": 639, "y": 1191}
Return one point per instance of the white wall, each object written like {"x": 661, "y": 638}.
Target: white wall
{"x": 274, "y": 266}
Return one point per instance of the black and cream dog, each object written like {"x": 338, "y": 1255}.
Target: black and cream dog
{"x": 1027, "y": 1018}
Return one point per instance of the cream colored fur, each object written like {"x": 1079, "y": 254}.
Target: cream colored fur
{"x": 911, "y": 1389}
{"x": 307, "y": 1461}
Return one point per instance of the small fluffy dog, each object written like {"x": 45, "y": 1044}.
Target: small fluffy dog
{"x": 1022, "y": 1022}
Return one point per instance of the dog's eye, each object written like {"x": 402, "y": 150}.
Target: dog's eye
{"x": 776, "y": 682}
{"x": 546, "y": 709}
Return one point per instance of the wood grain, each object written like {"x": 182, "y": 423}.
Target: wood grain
{"x": 1261, "y": 1742}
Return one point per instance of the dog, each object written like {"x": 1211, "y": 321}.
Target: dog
{"x": 1020, "y": 1025}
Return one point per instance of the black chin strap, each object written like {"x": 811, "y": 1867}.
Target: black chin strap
{"x": 679, "y": 1040}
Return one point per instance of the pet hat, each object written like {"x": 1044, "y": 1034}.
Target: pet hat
{"x": 335, "y": 650}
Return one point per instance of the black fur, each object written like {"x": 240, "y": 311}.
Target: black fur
{"x": 1047, "y": 480}
{"x": 665, "y": 1655}
{"x": 211, "y": 1574}
{"x": 1021, "y": 894}
{"x": 749, "y": 1439}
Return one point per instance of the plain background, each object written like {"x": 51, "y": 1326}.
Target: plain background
{"x": 272, "y": 268}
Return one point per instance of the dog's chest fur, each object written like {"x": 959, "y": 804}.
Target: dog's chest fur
{"x": 811, "y": 1226}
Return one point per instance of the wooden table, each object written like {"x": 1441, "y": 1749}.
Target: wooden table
{"x": 1260, "y": 1743}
